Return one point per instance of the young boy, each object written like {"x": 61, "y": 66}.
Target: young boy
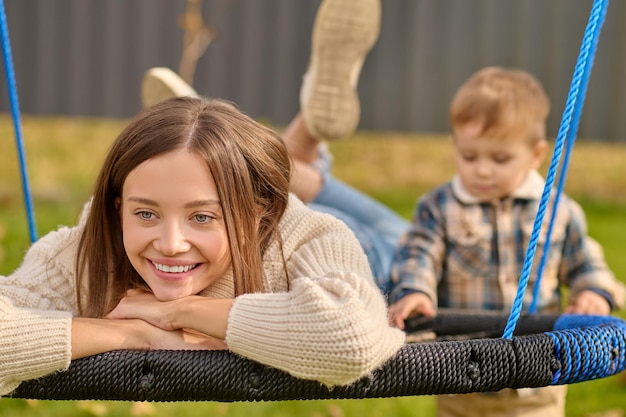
{"x": 466, "y": 246}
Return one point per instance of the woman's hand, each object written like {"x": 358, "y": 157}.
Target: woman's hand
{"x": 93, "y": 336}
{"x": 208, "y": 316}
{"x": 141, "y": 304}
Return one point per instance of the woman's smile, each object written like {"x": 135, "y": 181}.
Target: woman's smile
{"x": 176, "y": 269}
{"x": 175, "y": 272}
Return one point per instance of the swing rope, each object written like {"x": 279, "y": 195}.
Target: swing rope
{"x": 571, "y": 139}
{"x": 17, "y": 125}
{"x": 567, "y": 130}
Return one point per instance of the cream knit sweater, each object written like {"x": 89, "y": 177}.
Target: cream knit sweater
{"x": 328, "y": 323}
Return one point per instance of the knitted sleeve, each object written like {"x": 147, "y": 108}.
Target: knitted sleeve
{"x": 331, "y": 324}
{"x": 36, "y": 303}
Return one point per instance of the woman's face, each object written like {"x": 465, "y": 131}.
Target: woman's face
{"x": 173, "y": 227}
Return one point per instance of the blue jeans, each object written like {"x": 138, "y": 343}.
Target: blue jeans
{"x": 375, "y": 225}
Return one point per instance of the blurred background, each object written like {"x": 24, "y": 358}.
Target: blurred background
{"x": 87, "y": 57}
{"x": 79, "y": 65}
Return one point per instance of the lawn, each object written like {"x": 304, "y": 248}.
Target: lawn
{"x": 63, "y": 156}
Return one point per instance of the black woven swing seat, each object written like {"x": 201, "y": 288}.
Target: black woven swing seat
{"x": 593, "y": 348}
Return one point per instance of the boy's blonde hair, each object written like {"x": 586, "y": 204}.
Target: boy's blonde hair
{"x": 503, "y": 102}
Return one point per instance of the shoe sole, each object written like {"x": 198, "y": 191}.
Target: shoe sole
{"x": 162, "y": 83}
{"x": 343, "y": 33}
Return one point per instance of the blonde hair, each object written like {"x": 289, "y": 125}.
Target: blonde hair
{"x": 502, "y": 102}
{"x": 251, "y": 169}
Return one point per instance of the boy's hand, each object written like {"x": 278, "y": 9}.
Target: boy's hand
{"x": 589, "y": 302}
{"x": 410, "y": 305}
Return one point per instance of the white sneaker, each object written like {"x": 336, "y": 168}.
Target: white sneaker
{"x": 343, "y": 33}
{"x": 161, "y": 83}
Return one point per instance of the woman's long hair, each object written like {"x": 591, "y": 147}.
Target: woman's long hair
{"x": 251, "y": 169}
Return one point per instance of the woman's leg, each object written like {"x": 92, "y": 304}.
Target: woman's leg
{"x": 343, "y": 34}
{"x": 363, "y": 208}
{"x": 160, "y": 83}
{"x": 304, "y": 149}
{"x": 376, "y": 226}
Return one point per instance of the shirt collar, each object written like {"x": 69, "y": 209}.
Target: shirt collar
{"x": 530, "y": 189}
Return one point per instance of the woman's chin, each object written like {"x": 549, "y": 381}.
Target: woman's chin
{"x": 169, "y": 295}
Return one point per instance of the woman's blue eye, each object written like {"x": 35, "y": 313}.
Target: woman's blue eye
{"x": 145, "y": 215}
{"x": 202, "y": 218}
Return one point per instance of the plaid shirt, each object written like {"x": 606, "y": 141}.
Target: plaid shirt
{"x": 467, "y": 254}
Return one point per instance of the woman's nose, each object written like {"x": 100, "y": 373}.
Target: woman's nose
{"x": 172, "y": 240}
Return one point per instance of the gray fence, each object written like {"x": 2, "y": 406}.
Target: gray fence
{"x": 87, "y": 57}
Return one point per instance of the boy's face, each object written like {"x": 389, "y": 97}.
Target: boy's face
{"x": 492, "y": 168}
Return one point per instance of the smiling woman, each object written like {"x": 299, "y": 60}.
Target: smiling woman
{"x": 173, "y": 227}
{"x": 192, "y": 241}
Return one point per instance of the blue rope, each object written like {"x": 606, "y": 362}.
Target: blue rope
{"x": 15, "y": 112}
{"x": 582, "y": 68}
{"x": 588, "y": 347}
{"x": 571, "y": 139}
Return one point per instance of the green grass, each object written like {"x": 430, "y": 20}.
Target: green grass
{"x": 63, "y": 156}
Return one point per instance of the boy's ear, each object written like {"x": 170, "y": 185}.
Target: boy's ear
{"x": 540, "y": 149}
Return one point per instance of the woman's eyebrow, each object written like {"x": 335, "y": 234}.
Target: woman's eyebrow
{"x": 191, "y": 204}
{"x": 200, "y": 203}
{"x": 143, "y": 200}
